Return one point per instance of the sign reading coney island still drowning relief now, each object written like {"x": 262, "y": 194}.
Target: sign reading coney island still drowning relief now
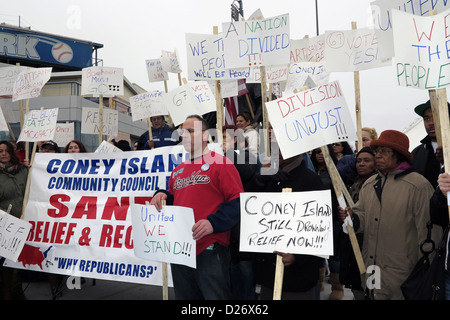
{"x": 290, "y": 222}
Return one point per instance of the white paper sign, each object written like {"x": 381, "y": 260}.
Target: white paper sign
{"x": 90, "y": 121}
{"x": 105, "y": 81}
{"x": 169, "y": 61}
{"x": 299, "y": 72}
{"x": 311, "y": 119}
{"x": 257, "y": 42}
{"x": 421, "y": 50}
{"x": 352, "y": 50}
{"x": 274, "y": 74}
{"x": 3, "y": 123}
{"x": 164, "y": 236}
{"x": 39, "y": 125}
{"x": 8, "y": 77}
{"x": 13, "y": 234}
{"x": 206, "y": 60}
{"x": 290, "y": 222}
{"x": 148, "y": 104}
{"x": 64, "y": 133}
{"x": 192, "y": 98}
{"x": 155, "y": 70}
{"x": 107, "y": 147}
{"x": 308, "y": 49}
{"x": 28, "y": 84}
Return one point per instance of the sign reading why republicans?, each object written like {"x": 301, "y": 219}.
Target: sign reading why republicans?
{"x": 257, "y": 43}
{"x": 311, "y": 119}
{"x": 79, "y": 206}
{"x": 164, "y": 236}
{"x": 422, "y": 54}
{"x": 39, "y": 125}
{"x": 290, "y": 222}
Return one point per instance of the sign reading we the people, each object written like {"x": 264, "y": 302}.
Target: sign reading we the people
{"x": 165, "y": 235}
{"x": 422, "y": 56}
{"x": 311, "y": 119}
{"x": 256, "y": 43}
{"x": 290, "y": 222}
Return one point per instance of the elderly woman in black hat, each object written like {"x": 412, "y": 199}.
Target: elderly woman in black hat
{"x": 392, "y": 212}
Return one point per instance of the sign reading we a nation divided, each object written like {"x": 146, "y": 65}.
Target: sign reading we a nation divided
{"x": 257, "y": 42}
{"x": 79, "y": 211}
{"x": 311, "y": 119}
{"x": 290, "y": 222}
{"x": 422, "y": 56}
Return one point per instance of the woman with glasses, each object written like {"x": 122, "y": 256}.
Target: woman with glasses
{"x": 392, "y": 212}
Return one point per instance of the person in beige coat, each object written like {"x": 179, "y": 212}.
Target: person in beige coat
{"x": 392, "y": 212}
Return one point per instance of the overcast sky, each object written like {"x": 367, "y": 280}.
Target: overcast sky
{"x": 133, "y": 31}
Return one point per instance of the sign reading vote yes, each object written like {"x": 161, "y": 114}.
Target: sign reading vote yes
{"x": 422, "y": 52}
{"x": 311, "y": 119}
{"x": 257, "y": 42}
{"x": 191, "y": 98}
{"x": 104, "y": 81}
{"x": 290, "y": 222}
{"x": 164, "y": 236}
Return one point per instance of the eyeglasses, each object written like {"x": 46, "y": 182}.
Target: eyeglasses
{"x": 381, "y": 151}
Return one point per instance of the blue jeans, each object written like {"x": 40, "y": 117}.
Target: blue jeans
{"x": 211, "y": 279}
{"x": 242, "y": 283}
{"x": 447, "y": 285}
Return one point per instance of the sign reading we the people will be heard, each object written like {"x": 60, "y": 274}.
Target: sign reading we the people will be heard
{"x": 257, "y": 43}
{"x": 311, "y": 119}
{"x": 422, "y": 56}
{"x": 290, "y": 222}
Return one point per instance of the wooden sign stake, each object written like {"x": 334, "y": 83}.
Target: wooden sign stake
{"x": 279, "y": 271}
{"x": 165, "y": 286}
{"x": 357, "y": 102}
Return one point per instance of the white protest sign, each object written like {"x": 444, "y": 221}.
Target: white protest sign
{"x": 352, "y": 50}
{"x": 192, "y": 98}
{"x": 273, "y": 74}
{"x": 39, "y": 125}
{"x": 13, "y": 234}
{"x": 257, "y": 42}
{"x": 206, "y": 60}
{"x": 106, "y": 147}
{"x": 290, "y": 222}
{"x": 308, "y": 49}
{"x": 8, "y": 77}
{"x": 383, "y": 22}
{"x": 3, "y": 123}
{"x": 64, "y": 133}
{"x": 105, "y": 81}
{"x": 169, "y": 61}
{"x": 228, "y": 88}
{"x": 421, "y": 50}
{"x": 28, "y": 84}
{"x": 146, "y": 105}
{"x": 311, "y": 119}
{"x": 90, "y": 120}
{"x": 299, "y": 72}
{"x": 155, "y": 70}
{"x": 164, "y": 236}
{"x": 79, "y": 209}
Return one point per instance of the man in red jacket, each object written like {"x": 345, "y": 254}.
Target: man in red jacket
{"x": 209, "y": 184}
